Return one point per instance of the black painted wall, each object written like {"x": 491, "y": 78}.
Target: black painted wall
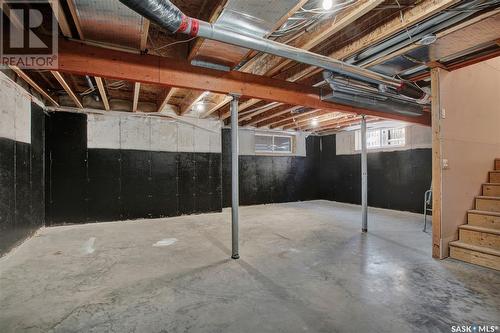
{"x": 22, "y": 184}
{"x": 272, "y": 179}
{"x": 396, "y": 180}
{"x": 90, "y": 185}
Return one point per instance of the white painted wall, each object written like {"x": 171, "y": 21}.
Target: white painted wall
{"x": 470, "y": 139}
{"x": 416, "y": 137}
{"x": 15, "y": 111}
{"x": 119, "y": 130}
{"x": 247, "y": 141}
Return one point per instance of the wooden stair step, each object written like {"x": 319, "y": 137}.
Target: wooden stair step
{"x": 477, "y": 255}
{"x": 491, "y": 189}
{"x": 483, "y": 219}
{"x": 479, "y": 236}
{"x": 488, "y": 203}
{"x": 494, "y": 177}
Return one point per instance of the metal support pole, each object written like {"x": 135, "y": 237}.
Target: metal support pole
{"x": 364, "y": 176}
{"x": 234, "y": 177}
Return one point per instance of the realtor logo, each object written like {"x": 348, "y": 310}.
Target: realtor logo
{"x": 29, "y": 32}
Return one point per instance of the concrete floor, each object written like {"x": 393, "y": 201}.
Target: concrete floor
{"x": 305, "y": 267}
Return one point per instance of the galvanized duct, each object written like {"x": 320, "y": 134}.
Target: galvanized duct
{"x": 109, "y": 22}
{"x": 161, "y": 10}
{"x": 359, "y": 94}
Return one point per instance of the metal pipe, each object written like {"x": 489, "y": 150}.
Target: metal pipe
{"x": 168, "y": 16}
{"x": 235, "y": 201}
{"x": 359, "y": 96}
{"x": 364, "y": 177}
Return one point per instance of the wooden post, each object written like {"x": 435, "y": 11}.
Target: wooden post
{"x": 437, "y": 251}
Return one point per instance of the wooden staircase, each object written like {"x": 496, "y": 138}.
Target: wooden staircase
{"x": 479, "y": 239}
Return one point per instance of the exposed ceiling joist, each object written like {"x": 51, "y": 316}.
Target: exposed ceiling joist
{"x": 67, "y": 88}
{"x": 144, "y": 34}
{"x": 168, "y": 93}
{"x": 269, "y": 65}
{"x": 412, "y": 16}
{"x": 102, "y": 92}
{"x": 137, "y": 90}
{"x": 292, "y": 118}
{"x": 33, "y": 84}
{"x": 76, "y": 19}
{"x": 82, "y": 59}
{"x": 281, "y": 110}
{"x": 420, "y": 12}
{"x": 61, "y": 17}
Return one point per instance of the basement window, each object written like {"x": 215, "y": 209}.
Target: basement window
{"x": 382, "y": 138}
{"x": 266, "y": 143}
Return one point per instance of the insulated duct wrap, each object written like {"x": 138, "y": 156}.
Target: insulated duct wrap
{"x": 163, "y": 13}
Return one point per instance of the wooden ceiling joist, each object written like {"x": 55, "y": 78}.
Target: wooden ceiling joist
{"x": 82, "y": 59}
{"x": 33, "y": 84}
{"x": 76, "y": 19}
{"x": 412, "y": 16}
{"x": 281, "y": 110}
{"x": 137, "y": 90}
{"x": 102, "y": 92}
{"x": 67, "y": 88}
{"x": 293, "y": 118}
{"x": 269, "y": 65}
{"x": 61, "y": 17}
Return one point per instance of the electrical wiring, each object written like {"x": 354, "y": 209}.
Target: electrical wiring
{"x": 174, "y": 43}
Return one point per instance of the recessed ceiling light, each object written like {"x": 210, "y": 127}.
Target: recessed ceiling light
{"x": 327, "y": 4}
{"x": 314, "y": 122}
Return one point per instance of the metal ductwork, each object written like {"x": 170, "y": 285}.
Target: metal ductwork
{"x": 381, "y": 92}
{"x": 168, "y": 16}
{"x": 359, "y": 94}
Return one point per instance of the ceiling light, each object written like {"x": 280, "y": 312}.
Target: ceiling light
{"x": 327, "y": 4}
{"x": 314, "y": 122}
{"x": 199, "y": 107}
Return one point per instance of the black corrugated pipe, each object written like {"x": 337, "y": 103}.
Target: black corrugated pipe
{"x": 168, "y": 16}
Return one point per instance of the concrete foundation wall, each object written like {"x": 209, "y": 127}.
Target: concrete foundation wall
{"x": 470, "y": 138}
{"x": 118, "y": 130}
{"x": 21, "y": 165}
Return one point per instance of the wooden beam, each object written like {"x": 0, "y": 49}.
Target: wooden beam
{"x": 82, "y": 59}
{"x": 437, "y": 172}
{"x": 262, "y": 109}
{"x": 305, "y": 123}
{"x": 224, "y": 101}
{"x": 144, "y": 35}
{"x": 189, "y": 101}
{"x": 33, "y": 84}
{"x": 102, "y": 92}
{"x": 137, "y": 90}
{"x": 281, "y": 110}
{"x": 67, "y": 88}
{"x": 422, "y": 11}
{"x": 168, "y": 92}
{"x": 61, "y": 17}
{"x": 292, "y": 118}
{"x": 76, "y": 19}
{"x": 270, "y": 65}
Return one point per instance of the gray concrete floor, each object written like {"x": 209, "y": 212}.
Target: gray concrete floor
{"x": 305, "y": 267}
